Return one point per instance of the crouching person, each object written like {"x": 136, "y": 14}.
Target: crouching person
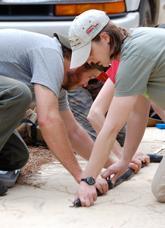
{"x": 41, "y": 63}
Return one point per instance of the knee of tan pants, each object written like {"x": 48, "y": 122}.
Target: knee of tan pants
{"x": 23, "y": 95}
{"x": 158, "y": 183}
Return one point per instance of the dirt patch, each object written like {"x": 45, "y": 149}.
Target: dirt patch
{"x": 38, "y": 156}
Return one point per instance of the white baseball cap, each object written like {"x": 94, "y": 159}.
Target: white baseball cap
{"x": 82, "y": 31}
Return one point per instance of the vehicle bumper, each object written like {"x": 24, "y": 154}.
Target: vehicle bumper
{"x": 131, "y": 20}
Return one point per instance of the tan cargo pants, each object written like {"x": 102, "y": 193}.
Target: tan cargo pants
{"x": 158, "y": 183}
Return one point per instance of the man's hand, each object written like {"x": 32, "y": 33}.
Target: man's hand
{"x": 116, "y": 170}
{"x": 144, "y": 158}
{"x": 137, "y": 161}
{"x": 135, "y": 165}
{"x": 87, "y": 194}
{"x": 101, "y": 185}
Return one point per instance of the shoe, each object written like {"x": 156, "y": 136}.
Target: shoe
{"x": 9, "y": 178}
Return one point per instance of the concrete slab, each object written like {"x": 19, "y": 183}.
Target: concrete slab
{"x": 44, "y": 203}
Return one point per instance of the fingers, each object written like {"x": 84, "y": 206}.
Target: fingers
{"x": 102, "y": 187}
{"x": 107, "y": 173}
{"x": 115, "y": 171}
{"x": 86, "y": 194}
{"x": 137, "y": 162}
{"x": 135, "y": 165}
{"x": 115, "y": 177}
{"x": 88, "y": 200}
{"x": 105, "y": 187}
{"x": 146, "y": 160}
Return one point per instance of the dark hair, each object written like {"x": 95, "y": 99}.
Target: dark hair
{"x": 65, "y": 50}
{"x": 117, "y": 36}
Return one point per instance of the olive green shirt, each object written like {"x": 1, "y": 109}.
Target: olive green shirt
{"x": 142, "y": 66}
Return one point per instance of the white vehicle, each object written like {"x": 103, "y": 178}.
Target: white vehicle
{"x": 50, "y": 17}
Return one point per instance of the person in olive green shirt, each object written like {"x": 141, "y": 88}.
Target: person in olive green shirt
{"x": 140, "y": 78}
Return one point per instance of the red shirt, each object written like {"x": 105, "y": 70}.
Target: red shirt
{"x": 110, "y": 73}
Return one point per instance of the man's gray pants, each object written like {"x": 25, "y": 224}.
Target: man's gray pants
{"x": 15, "y": 98}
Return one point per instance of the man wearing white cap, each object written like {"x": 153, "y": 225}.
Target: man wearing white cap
{"x": 140, "y": 77}
{"x": 35, "y": 61}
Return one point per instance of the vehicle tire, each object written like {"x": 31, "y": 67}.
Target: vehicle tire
{"x": 145, "y": 13}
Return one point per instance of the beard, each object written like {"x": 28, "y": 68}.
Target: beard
{"x": 72, "y": 80}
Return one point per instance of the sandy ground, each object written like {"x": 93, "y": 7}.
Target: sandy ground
{"x": 44, "y": 200}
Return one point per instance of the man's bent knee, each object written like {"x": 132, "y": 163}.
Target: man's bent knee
{"x": 158, "y": 191}
{"x": 15, "y": 94}
{"x": 23, "y": 94}
{"x": 158, "y": 183}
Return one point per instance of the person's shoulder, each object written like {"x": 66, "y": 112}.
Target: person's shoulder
{"x": 140, "y": 40}
{"x": 46, "y": 45}
{"x": 150, "y": 32}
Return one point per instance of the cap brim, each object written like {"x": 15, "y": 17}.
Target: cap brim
{"x": 64, "y": 40}
{"x": 80, "y": 56}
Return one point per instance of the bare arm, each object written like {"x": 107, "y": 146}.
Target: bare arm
{"x": 54, "y": 131}
{"x": 81, "y": 141}
{"x": 117, "y": 116}
{"x": 100, "y": 106}
{"x": 97, "y": 117}
{"x": 106, "y": 138}
{"x": 98, "y": 112}
{"x": 136, "y": 125}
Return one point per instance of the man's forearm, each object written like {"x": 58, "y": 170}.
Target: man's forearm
{"x": 83, "y": 145}
{"x": 97, "y": 120}
{"x": 81, "y": 142}
{"x": 57, "y": 140}
{"x": 100, "y": 154}
{"x": 135, "y": 129}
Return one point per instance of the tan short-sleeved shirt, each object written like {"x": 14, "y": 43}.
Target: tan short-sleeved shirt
{"x": 142, "y": 66}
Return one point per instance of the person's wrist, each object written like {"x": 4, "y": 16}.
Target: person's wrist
{"x": 89, "y": 180}
{"x": 78, "y": 177}
{"x": 125, "y": 160}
